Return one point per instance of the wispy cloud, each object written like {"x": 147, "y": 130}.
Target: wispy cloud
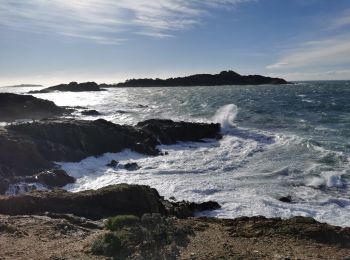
{"x": 323, "y": 52}
{"x": 341, "y": 21}
{"x": 107, "y": 21}
{"x": 316, "y": 53}
{"x": 312, "y": 75}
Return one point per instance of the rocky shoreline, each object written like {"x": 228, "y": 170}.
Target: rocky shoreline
{"x": 56, "y": 224}
{"x": 64, "y": 236}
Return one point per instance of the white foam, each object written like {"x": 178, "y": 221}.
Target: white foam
{"x": 226, "y": 116}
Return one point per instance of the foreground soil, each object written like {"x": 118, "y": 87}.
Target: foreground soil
{"x": 68, "y": 237}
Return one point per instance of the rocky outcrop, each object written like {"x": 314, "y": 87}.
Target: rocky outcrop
{"x": 71, "y": 87}
{"x": 102, "y": 203}
{"x": 97, "y": 204}
{"x": 223, "y": 78}
{"x": 13, "y": 107}
{"x": 36, "y": 145}
{"x": 169, "y": 132}
{"x": 301, "y": 227}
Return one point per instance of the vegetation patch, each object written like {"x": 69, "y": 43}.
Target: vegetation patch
{"x": 152, "y": 237}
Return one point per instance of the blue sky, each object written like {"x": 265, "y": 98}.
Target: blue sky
{"x": 54, "y": 41}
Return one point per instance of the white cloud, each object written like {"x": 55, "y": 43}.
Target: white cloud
{"x": 341, "y": 20}
{"x": 320, "y": 75}
{"x": 105, "y": 21}
{"x": 317, "y": 53}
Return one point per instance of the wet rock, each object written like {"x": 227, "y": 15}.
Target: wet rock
{"x": 185, "y": 209}
{"x": 71, "y": 87}
{"x": 113, "y": 200}
{"x": 90, "y": 112}
{"x": 170, "y": 132}
{"x": 4, "y": 185}
{"x": 132, "y": 166}
{"x": 38, "y": 144}
{"x": 113, "y": 163}
{"x": 286, "y": 199}
{"x": 55, "y": 178}
{"x": 13, "y": 107}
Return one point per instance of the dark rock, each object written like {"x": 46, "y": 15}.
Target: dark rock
{"x": 37, "y": 145}
{"x": 113, "y": 163}
{"x": 132, "y": 166}
{"x": 204, "y": 206}
{"x": 55, "y": 178}
{"x": 121, "y": 112}
{"x": 71, "y": 87}
{"x": 113, "y": 200}
{"x": 223, "y": 78}
{"x": 185, "y": 209}
{"x": 91, "y": 112}
{"x": 170, "y": 132}
{"x": 286, "y": 199}
{"x": 4, "y": 185}
{"x": 13, "y": 107}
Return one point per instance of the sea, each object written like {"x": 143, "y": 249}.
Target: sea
{"x": 278, "y": 140}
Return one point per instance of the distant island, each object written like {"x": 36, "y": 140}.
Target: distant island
{"x": 223, "y": 78}
{"x": 23, "y": 85}
{"x": 71, "y": 87}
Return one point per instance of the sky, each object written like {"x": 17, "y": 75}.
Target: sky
{"x": 56, "y": 41}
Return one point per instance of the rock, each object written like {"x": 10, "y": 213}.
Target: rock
{"x": 121, "y": 199}
{"x": 113, "y": 163}
{"x": 4, "y": 185}
{"x": 286, "y": 199}
{"x": 204, "y": 206}
{"x": 299, "y": 227}
{"x": 223, "y": 78}
{"x": 91, "y": 112}
{"x": 13, "y": 107}
{"x": 38, "y": 144}
{"x": 55, "y": 178}
{"x": 132, "y": 166}
{"x": 71, "y": 87}
{"x": 185, "y": 209}
{"x": 170, "y": 132}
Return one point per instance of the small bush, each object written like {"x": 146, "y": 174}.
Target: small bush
{"x": 108, "y": 244}
{"x": 118, "y": 222}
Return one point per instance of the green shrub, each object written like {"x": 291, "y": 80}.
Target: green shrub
{"x": 108, "y": 244}
{"x": 118, "y": 222}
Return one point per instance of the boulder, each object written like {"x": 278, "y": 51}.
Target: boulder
{"x": 185, "y": 209}
{"x": 132, "y": 166}
{"x": 113, "y": 164}
{"x": 90, "y": 112}
{"x": 286, "y": 199}
{"x": 55, "y": 178}
{"x": 14, "y": 107}
{"x": 170, "y": 132}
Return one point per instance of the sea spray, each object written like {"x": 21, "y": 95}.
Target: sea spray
{"x": 226, "y": 116}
